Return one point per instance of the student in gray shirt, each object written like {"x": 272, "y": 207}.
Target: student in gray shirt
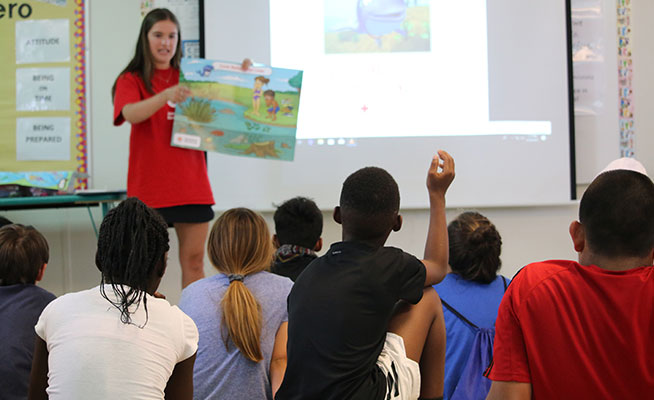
{"x": 240, "y": 313}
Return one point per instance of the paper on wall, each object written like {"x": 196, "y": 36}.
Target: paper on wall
{"x": 43, "y": 89}
{"x": 43, "y": 139}
{"x": 42, "y": 41}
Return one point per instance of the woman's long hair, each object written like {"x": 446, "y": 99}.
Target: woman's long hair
{"x": 132, "y": 243}
{"x": 142, "y": 63}
{"x": 475, "y": 247}
{"x": 240, "y": 245}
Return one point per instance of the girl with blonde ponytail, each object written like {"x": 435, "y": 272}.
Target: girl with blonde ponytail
{"x": 240, "y": 312}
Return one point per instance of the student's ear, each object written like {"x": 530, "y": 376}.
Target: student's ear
{"x": 578, "y": 236}
{"x": 318, "y": 245}
{"x": 39, "y": 276}
{"x": 337, "y": 215}
{"x": 275, "y": 241}
{"x": 398, "y": 223}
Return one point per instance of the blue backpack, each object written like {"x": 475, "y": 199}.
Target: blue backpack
{"x": 472, "y": 384}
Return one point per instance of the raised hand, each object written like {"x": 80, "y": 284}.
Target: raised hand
{"x": 441, "y": 173}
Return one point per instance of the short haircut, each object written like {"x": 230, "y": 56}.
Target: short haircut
{"x": 617, "y": 213}
{"x": 269, "y": 92}
{"x": 298, "y": 221}
{"x": 4, "y": 221}
{"x": 475, "y": 247}
{"x": 370, "y": 202}
{"x": 23, "y": 251}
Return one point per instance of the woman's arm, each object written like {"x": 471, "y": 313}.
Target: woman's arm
{"x": 39, "y": 374}
{"x": 144, "y": 109}
{"x": 278, "y": 359}
{"x": 180, "y": 383}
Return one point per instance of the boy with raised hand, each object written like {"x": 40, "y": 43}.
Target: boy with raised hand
{"x": 364, "y": 322}
{"x": 298, "y": 226}
{"x": 24, "y": 254}
{"x": 584, "y": 330}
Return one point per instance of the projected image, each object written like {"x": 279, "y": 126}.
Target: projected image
{"x": 377, "y": 26}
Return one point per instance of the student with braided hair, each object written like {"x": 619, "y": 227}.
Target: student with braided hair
{"x": 117, "y": 340}
{"x": 240, "y": 313}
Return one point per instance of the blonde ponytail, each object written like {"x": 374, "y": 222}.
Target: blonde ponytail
{"x": 240, "y": 245}
{"x": 242, "y": 320}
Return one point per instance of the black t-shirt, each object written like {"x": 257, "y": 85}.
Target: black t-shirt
{"x": 338, "y": 312}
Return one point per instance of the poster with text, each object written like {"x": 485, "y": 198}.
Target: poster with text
{"x": 249, "y": 113}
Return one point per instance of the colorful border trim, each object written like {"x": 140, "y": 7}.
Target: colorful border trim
{"x": 81, "y": 148}
{"x": 625, "y": 79}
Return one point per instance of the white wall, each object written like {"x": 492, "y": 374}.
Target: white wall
{"x": 529, "y": 234}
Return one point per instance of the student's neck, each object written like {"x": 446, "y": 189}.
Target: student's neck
{"x": 614, "y": 264}
{"x": 372, "y": 242}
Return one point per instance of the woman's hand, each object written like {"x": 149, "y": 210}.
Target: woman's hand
{"x": 177, "y": 94}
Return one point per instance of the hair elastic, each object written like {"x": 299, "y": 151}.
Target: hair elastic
{"x": 235, "y": 277}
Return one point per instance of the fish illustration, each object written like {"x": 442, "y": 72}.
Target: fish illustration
{"x": 206, "y": 71}
{"x": 218, "y": 133}
{"x": 285, "y": 146}
{"x": 227, "y": 111}
{"x": 380, "y": 17}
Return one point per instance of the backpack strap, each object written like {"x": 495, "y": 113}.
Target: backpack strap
{"x": 458, "y": 314}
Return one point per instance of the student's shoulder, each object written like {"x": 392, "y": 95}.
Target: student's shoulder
{"x": 399, "y": 258}
{"x": 33, "y": 292}
{"x": 536, "y": 276}
{"x": 273, "y": 283}
{"x": 536, "y": 272}
{"x": 42, "y": 295}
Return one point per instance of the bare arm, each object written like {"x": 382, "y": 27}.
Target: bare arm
{"x": 39, "y": 374}
{"x": 180, "y": 383}
{"x": 509, "y": 391}
{"x": 437, "y": 246}
{"x": 144, "y": 109}
{"x": 278, "y": 359}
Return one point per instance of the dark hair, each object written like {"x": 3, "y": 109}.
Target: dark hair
{"x": 4, "y": 221}
{"x": 298, "y": 221}
{"x": 132, "y": 243}
{"x": 269, "y": 93}
{"x": 142, "y": 63}
{"x": 370, "y": 202}
{"x": 23, "y": 251}
{"x": 475, "y": 247}
{"x": 617, "y": 213}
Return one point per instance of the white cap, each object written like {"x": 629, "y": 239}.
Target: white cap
{"x": 630, "y": 164}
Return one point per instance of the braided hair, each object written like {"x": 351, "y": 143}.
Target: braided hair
{"x": 132, "y": 246}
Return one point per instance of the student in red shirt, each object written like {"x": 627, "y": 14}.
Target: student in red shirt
{"x": 172, "y": 180}
{"x": 583, "y": 330}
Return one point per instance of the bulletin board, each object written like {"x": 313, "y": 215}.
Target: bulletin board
{"x": 43, "y": 116}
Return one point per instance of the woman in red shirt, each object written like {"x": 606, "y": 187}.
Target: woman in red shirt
{"x": 172, "y": 180}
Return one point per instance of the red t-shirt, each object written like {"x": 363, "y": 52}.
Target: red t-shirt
{"x": 578, "y": 332}
{"x": 159, "y": 174}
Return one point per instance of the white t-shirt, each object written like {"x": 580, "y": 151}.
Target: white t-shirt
{"x": 93, "y": 355}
